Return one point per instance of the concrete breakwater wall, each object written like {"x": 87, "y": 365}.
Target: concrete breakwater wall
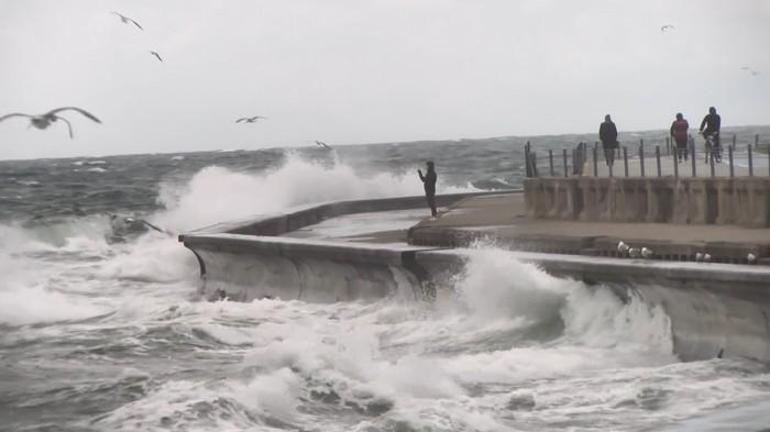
{"x": 725, "y": 201}
{"x": 302, "y": 216}
{"x": 713, "y": 307}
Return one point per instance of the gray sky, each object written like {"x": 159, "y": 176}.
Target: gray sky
{"x": 359, "y": 71}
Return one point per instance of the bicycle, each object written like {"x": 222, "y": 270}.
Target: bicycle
{"x": 713, "y": 147}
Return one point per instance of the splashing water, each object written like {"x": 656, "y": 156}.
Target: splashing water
{"x": 100, "y": 336}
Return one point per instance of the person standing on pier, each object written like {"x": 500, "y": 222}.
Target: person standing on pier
{"x": 678, "y": 131}
{"x": 429, "y": 183}
{"x": 608, "y": 134}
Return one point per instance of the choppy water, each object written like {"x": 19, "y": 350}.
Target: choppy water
{"x": 112, "y": 336}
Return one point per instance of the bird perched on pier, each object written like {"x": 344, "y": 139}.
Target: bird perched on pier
{"x": 155, "y": 53}
{"x": 751, "y": 258}
{"x": 323, "y": 144}
{"x": 127, "y": 20}
{"x": 42, "y": 121}
{"x": 647, "y": 253}
{"x": 666, "y": 27}
{"x": 622, "y": 247}
{"x": 634, "y": 252}
{"x": 706, "y": 257}
{"x": 698, "y": 257}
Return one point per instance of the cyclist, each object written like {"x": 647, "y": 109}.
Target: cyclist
{"x": 709, "y": 127}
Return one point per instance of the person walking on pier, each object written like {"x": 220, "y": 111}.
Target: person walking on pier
{"x": 710, "y": 127}
{"x": 429, "y": 183}
{"x": 608, "y": 134}
{"x": 678, "y": 131}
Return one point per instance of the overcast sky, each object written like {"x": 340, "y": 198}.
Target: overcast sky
{"x": 361, "y": 71}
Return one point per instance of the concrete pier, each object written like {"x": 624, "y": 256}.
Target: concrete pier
{"x": 713, "y": 307}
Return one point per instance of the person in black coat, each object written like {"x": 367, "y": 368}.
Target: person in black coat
{"x": 608, "y": 134}
{"x": 429, "y": 183}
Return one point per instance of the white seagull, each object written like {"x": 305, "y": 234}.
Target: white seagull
{"x": 42, "y": 121}
{"x": 251, "y": 119}
{"x": 127, "y": 20}
{"x": 155, "y": 53}
{"x": 323, "y": 144}
{"x": 666, "y": 27}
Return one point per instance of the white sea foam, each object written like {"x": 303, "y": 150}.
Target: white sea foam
{"x": 217, "y": 194}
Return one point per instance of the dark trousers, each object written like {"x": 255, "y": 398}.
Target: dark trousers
{"x": 681, "y": 149}
{"x": 431, "y": 198}
{"x": 609, "y": 155}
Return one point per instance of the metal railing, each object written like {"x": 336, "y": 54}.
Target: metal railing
{"x": 573, "y": 162}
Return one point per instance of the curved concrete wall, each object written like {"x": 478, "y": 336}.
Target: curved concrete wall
{"x": 713, "y": 307}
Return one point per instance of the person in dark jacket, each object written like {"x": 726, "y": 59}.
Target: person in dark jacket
{"x": 710, "y": 127}
{"x": 678, "y": 131}
{"x": 608, "y": 134}
{"x": 429, "y": 183}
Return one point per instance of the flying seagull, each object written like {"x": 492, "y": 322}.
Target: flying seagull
{"x": 42, "y": 121}
{"x": 323, "y": 144}
{"x": 127, "y": 20}
{"x": 250, "y": 119}
{"x": 750, "y": 70}
{"x": 155, "y": 53}
{"x": 666, "y": 27}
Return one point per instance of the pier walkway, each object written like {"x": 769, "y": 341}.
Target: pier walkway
{"x": 503, "y": 219}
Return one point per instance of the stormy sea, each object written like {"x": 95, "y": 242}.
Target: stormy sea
{"x": 105, "y": 332}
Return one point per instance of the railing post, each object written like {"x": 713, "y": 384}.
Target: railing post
{"x": 526, "y": 160}
{"x": 641, "y": 159}
{"x": 711, "y": 162}
{"x": 534, "y": 164}
{"x": 730, "y": 156}
{"x": 625, "y": 159}
{"x": 596, "y": 163}
{"x": 676, "y": 163}
{"x": 751, "y": 162}
{"x": 692, "y": 158}
{"x": 657, "y": 158}
{"x": 550, "y": 161}
{"x": 566, "y": 172}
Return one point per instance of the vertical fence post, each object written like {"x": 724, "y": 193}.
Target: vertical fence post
{"x": 575, "y": 162}
{"x": 596, "y": 162}
{"x": 711, "y": 162}
{"x": 676, "y": 164}
{"x": 625, "y": 159}
{"x": 657, "y": 158}
{"x": 526, "y": 160}
{"x": 550, "y": 162}
{"x": 564, "y": 154}
{"x": 751, "y": 161}
{"x": 641, "y": 159}
{"x": 692, "y": 158}
{"x": 534, "y": 164}
{"x": 730, "y": 156}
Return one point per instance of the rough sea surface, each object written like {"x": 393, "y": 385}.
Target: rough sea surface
{"x": 103, "y": 335}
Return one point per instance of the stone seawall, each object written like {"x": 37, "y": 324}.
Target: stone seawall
{"x": 741, "y": 201}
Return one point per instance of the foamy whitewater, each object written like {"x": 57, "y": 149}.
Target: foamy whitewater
{"x": 103, "y": 335}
